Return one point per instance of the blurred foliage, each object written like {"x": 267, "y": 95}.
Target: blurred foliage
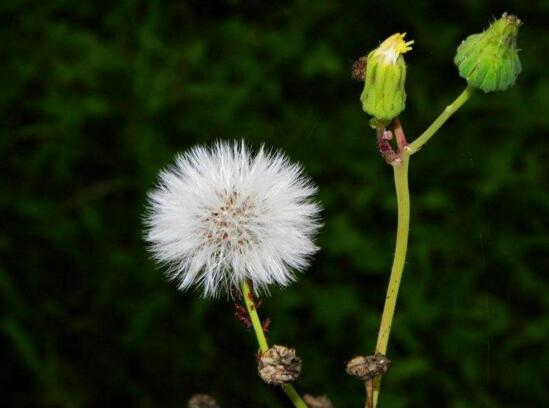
{"x": 96, "y": 97}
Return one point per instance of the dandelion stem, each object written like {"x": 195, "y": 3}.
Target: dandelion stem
{"x": 262, "y": 340}
{"x": 403, "y": 227}
{"x": 294, "y": 396}
{"x": 254, "y": 317}
{"x": 442, "y": 118}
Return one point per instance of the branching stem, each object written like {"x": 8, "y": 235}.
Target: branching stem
{"x": 442, "y": 118}
{"x": 400, "y": 162}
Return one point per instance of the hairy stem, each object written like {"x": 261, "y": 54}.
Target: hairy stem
{"x": 442, "y": 118}
{"x": 262, "y": 340}
{"x": 403, "y": 202}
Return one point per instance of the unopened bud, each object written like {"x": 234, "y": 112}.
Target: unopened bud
{"x": 384, "y": 96}
{"x": 489, "y": 60}
{"x": 368, "y": 367}
{"x": 279, "y": 365}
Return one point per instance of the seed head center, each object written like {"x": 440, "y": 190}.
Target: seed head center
{"x": 230, "y": 223}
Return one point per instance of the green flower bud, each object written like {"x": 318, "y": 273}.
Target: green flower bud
{"x": 384, "y": 96}
{"x": 489, "y": 60}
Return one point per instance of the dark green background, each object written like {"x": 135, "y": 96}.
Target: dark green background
{"x": 96, "y": 97}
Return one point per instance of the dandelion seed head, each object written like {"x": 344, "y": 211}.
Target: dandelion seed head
{"x": 221, "y": 215}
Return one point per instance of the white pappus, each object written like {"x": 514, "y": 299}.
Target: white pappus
{"x": 222, "y": 214}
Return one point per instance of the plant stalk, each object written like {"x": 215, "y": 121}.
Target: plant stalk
{"x": 262, "y": 340}
{"x": 403, "y": 227}
{"x": 400, "y": 168}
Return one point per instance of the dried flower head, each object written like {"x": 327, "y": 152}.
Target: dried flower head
{"x": 221, "y": 215}
{"x": 321, "y": 401}
{"x": 358, "y": 70}
{"x": 279, "y": 365}
{"x": 202, "y": 401}
{"x": 368, "y": 367}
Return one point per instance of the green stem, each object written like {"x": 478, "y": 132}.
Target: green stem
{"x": 294, "y": 396}
{"x": 254, "y": 317}
{"x": 442, "y": 118}
{"x": 262, "y": 340}
{"x": 403, "y": 228}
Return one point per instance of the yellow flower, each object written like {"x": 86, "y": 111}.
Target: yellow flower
{"x": 384, "y": 96}
{"x": 392, "y": 47}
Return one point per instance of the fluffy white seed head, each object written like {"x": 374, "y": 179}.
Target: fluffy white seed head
{"x": 221, "y": 215}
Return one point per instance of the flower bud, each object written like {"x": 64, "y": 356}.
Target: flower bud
{"x": 489, "y": 60}
{"x": 384, "y": 96}
{"x": 279, "y": 365}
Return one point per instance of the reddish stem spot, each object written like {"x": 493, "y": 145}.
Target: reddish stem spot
{"x": 241, "y": 314}
{"x": 266, "y": 324}
{"x": 399, "y": 135}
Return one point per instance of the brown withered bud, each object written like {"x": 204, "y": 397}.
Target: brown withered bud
{"x": 368, "y": 367}
{"x": 358, "y": 72}
{"x": 279, "y": 365}
{"x": 322, "y": 401}
{"x": 202, "y": 401}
